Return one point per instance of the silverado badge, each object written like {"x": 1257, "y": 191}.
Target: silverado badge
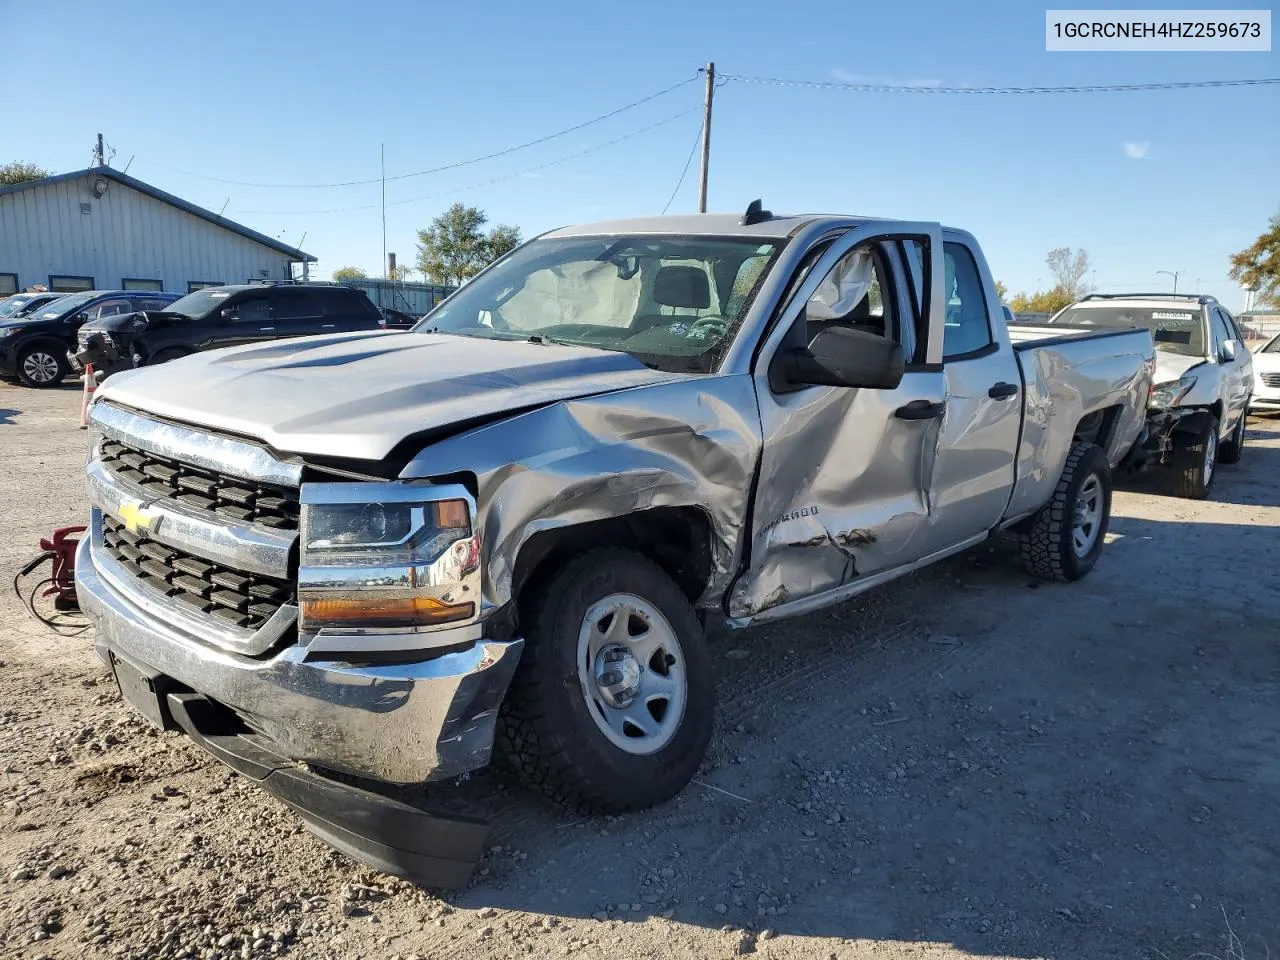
{"x": 137, "y": 517}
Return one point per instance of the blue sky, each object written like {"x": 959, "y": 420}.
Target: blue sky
{"x": 305, "y": 93}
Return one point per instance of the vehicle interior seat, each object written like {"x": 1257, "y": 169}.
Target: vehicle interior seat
{"x": 681, "y": 287}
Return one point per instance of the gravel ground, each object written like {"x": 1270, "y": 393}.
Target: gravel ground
{"x": 965, "y": 763}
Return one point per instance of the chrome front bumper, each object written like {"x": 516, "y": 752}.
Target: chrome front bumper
{"x": 410, "y": 722}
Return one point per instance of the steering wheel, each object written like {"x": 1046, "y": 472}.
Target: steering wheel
{"x": 710, "y": 325}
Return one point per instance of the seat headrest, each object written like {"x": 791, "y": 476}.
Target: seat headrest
{"x": 685, "y": 287}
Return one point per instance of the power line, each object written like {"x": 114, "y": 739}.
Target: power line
{"x": 447, "y": 166}
{"x": 919, "y": 88}
{"x": 683, "y": 173}
{"x": 483, "y": 183}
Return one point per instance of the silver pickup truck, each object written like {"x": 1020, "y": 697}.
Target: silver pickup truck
{"x": 358, "y": 560}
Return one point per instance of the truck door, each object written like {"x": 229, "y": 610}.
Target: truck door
{"x": 974, "y": 467}
{"x": 842, "y": 490}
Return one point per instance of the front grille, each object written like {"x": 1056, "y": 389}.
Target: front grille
{"x": 233, "y": 597}
{"x": 1270, "y": 379}
{"x": 220, "y": 493}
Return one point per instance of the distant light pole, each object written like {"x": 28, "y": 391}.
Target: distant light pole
{"x": 1172, "y": 273}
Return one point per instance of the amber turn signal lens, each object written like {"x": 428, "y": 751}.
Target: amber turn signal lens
{"x": 374, "y": 612}
{"x": 451, "y": 514}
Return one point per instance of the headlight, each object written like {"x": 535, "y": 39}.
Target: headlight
{"x": 1166, "y": 395}
{"x": 392, "y": 555}
{"x": 10, "y": 331}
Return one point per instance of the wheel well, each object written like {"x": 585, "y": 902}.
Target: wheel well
{"x": 53, "y": 344}
{"x": 1098, "y": 426}
{"x": 678, "y": 539}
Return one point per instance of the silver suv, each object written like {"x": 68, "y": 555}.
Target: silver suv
{"x": 1204, "y": 378}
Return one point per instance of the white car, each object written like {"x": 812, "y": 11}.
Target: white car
{"x": 1266, "y": 377}
{"x": 1203, "y": 384}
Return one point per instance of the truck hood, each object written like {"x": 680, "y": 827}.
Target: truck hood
{"x": 359, "y": 395}
{"x": 1172, "y": 366}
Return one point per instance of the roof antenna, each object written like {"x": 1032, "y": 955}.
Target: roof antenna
{"x": 755, "y": 214}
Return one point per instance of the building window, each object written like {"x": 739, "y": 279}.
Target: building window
{"x": 133, "y": 283}
{"x": 8, "y": 284}
{"x": 194, "y": 285}
{"x": 70, "y": 284}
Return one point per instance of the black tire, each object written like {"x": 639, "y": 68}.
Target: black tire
{"x": 1047, "y": 540}
{"x": 548, "y": 728}
{"x": 1233, "y": 449}
{"x": 42, "y": 365}
{"x": 1190, "y": 451}
{"x": 167, "y": 354}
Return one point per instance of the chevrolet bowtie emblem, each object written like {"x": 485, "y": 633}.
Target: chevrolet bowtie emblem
{"x": 137, "y": 517}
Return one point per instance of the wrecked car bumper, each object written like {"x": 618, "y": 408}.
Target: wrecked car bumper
{"x": 106, "y": 358}
{"x": 401, "y": 723}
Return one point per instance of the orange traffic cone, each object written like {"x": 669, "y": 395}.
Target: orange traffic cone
{"x": 90, "y": 385}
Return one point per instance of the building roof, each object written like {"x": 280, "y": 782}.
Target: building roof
{"x": 163, "y": 197}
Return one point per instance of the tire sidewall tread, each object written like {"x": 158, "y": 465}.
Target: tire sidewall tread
{"x": 1046, "y": 542}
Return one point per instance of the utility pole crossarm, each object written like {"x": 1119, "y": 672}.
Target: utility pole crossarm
{"x": 706, "y": 136}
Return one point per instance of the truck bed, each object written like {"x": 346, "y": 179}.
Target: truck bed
{"x": 1076, "y": 381}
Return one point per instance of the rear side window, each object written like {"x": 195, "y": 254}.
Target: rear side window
{"x": 968, "y": 326}
{"x": 348, "y": 303}
{"x": 294, "y": 305}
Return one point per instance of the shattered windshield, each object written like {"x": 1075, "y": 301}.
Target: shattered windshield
{"x": 674, "y": 303}
{"x": 1174, "y": 329}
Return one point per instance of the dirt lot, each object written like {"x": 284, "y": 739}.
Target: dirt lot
{"x": 966, "y": 763}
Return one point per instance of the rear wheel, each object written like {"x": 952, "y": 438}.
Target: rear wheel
{"x": 612, "y": 707}
{"x": 1063, "y": 540}
{"x": 1195, "y": 462}
{"x": 1231, "y": 451}
{"x": 42, "y": 365}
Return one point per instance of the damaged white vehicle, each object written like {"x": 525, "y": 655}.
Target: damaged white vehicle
{"x": 1204, "y": 378}
{"x": 356, "y": 560}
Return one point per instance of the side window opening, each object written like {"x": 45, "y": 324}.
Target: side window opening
{"x": 967, "y": 324}
{"x": 252, "y": 310}
{"x": 855, "y": 294}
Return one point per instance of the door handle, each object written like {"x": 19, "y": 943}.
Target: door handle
{"x": 327, "y": 326}
{"x": 1003, "y": 391}
{"x": 266, "y": 329}
{"x": 920, "y": 410}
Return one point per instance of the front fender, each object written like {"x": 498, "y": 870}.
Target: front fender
{"x": 692, "y": 442}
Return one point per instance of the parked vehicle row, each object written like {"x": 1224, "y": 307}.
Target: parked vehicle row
{"x": 381, "y": 555}
{"x": 221, "y": 317}
{"x": 33, "y": 348}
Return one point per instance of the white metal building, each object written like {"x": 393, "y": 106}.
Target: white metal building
{"x": 99, "y": 229}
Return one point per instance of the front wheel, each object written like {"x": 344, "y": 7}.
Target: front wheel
{"x": 41, "y": 365}
{"x": 612, "y": 706}
{"x": 1063, "y": 540}
{"x": 1195, "y": 462}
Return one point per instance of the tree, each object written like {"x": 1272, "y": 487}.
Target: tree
{"x": 1044, "y": 301}
{"x": 454, "y": 248}
{"x": 1258, "y": 266}
{"x": 402, "y": 272}
{"x": 1002, "y": 291}
{"x": 1069, "y": 269}
{"x": 343, "y": 274}
{"x": 11, "y": 173}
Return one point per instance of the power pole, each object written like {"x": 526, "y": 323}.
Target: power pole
{"x": 101, "y": 161}
{"x": 391, "y": 267}
{"x": 384, "y": 203}
{"x": 706, "y": 136}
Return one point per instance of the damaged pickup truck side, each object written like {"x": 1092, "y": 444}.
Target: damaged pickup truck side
{"x": 357, "y": 560}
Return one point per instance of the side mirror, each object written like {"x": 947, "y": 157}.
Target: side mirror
{"x": 81, "y": 317}
{"x": 1228, "y": 351}
{"x": 227, "y": 313}
{"x": 840, "y": 357}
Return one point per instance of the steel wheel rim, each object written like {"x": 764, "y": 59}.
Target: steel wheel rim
{"x": 40, "y": 367}
{"x": 1210, "y": 457}
{"x": 1087, "y": 520}
{"x": 624, "y": 646}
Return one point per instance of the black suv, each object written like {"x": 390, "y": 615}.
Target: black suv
{"x": 34, "y": 348}
{"x": 223, "y": 317}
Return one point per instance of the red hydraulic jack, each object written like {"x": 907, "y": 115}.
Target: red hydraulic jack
{"x": 60, "y": 550}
